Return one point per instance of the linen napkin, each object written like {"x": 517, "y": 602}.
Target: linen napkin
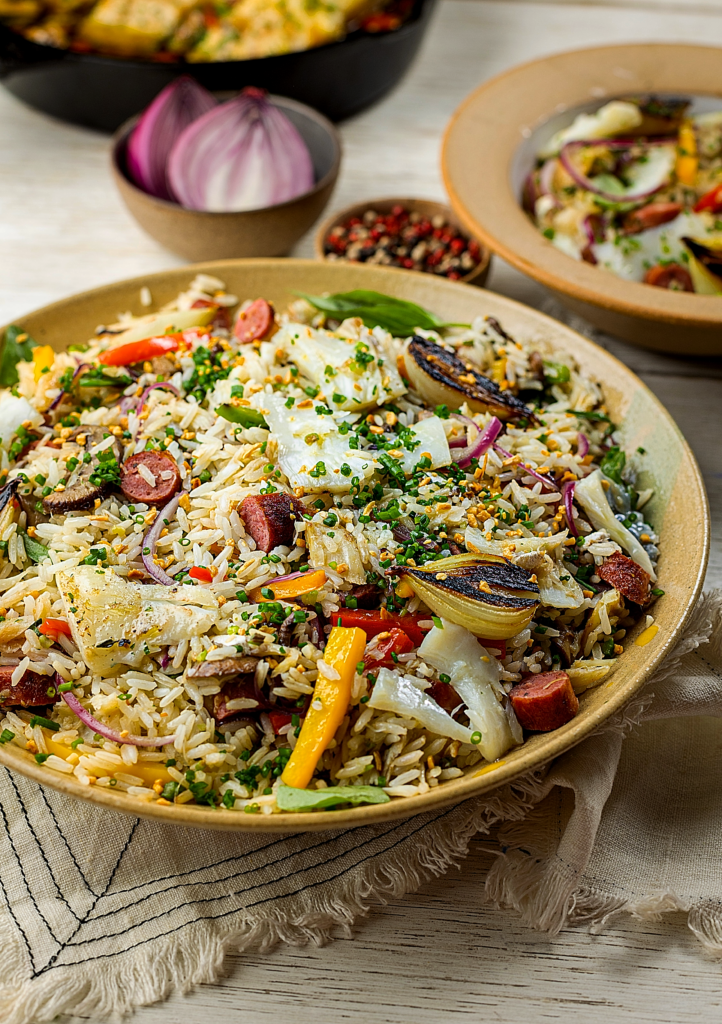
{"x": 102, "y": 912}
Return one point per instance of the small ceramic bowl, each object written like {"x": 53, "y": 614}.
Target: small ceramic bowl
{"x": 489, "y": 148}
{"x": 426, "y": 207}
{"x": 271, "y": 231}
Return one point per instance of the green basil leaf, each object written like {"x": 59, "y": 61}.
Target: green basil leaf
{"x": 290, "y": 799}
{"x": 14, "y": 352}
{"x": 242, "y": 415}
{"x": 593, "y": 417}
{"x": 399, "y": 317}
{"x": 98, "y": 379}
{"x": 35, "y": 551}
{"x": 613, "y": 463}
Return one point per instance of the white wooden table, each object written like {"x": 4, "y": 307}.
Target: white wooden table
{"x": 439, "y": 955}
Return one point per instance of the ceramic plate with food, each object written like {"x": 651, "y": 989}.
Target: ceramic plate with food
{"x": 264, "y": 559}
{"x": 610, "y": 156}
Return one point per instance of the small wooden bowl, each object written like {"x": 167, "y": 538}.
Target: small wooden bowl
{"x": 490, "y": 145}
{"x": 426, "y": 207}
{"x": 272, "y": 231}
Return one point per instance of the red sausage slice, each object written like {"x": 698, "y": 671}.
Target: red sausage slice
{"x": 270, "y": 518}
{"x": 161, "y": 466}
{"x": 254, "y": 322}
{"x": 544, "y": 702}
{"x": 33, "y": 690}
{"x": 630, "y": 579}
{"x": 673, "y": 276}
{"x": 222, "y": 317}
{"x": 650, "y": 216}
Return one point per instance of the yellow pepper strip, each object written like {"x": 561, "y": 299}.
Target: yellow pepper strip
{"x": 148, "y": 771}
{"x": 687, "y": 162}
{"x": 286, "y": 590}
{"x": 343, "y": 652}
{"x": 43, "y": 359}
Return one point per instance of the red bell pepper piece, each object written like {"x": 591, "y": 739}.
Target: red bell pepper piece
{"x": 397, "y": 642}
{"x": 711, "y": 200}
{"x": 54, "y": 627}
{"x": 201, "y": 573}
{"x": 279, "y": 719}
{"x": 139, "y": 351}
{"x": 375, "y": 622}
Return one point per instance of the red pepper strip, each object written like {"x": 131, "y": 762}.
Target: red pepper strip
{"x": 711, "y": 200}
{"x": 279, "y": 719}
{"x": 53, "y": 628}
{"x": 139, "y": 351}
{"x": 200, "y": 573}
{"x": 375, "y": 622}
{"x": 397, "y": 642}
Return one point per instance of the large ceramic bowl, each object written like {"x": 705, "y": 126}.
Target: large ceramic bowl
{"x": 678, "y": 510}
{"x": 339, "y": 79}
{"x": 489, "y": 148}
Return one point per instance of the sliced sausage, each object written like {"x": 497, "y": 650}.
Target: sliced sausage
{"x": 161, "y": 467}
{"x": 32, "y": 691}
{"x": 544, "y": 702}
{"x": 254, "y": 322}
{"x": 445, "y": 696}
{"x": 673, "y": 276}
{"x": 270, "y": 518}
{"x": 224, "y": 667}
{"x": 630, "y": 579}
{"x": 650, "y": 216}
{"x": 82, "y": 494}
{"x": 222, "y": 317}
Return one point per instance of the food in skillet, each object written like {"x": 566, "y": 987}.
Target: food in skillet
{"x": 197, "y": 31}
{"x": 636, "y": 188}
{"x": 339, "y": 554}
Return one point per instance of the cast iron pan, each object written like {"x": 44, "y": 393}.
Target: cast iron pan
{"x": 338, "y": 79}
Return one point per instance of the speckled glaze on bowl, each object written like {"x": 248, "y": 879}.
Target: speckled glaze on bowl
{"x": 198, "y": 235}
{"x": 488, "y": 148}
{"x": 679, "y": 504}
{"x": 426, "y": 207}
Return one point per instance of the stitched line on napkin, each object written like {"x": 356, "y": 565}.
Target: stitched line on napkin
{"x": 52, "y": 965}
{"x": 61, "y": 835}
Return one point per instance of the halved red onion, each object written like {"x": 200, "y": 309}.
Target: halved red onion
{"x": 151, "y": 539}
{"x": 173, "y": 109}
{"x": 243, "y": 155}
{"x": 568, "y": 499}
{"x": 656, "y": 168}
{"x": 527, "y": 469}
{"x": 110, "y": 734}
{"x": 582, "y": 445}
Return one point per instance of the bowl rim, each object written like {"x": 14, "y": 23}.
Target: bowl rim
{"x": 456, "y": 791}
{"x": 502, "y": 224}
{"x": 120, "y": 138}
{"x": 480, "y": 270}
{"x": 185, "y": 66}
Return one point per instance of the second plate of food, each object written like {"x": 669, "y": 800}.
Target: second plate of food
{"x": 295, "y": 545}
{"x": 597, "y": 172}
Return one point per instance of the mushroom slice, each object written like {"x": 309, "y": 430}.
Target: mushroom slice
{"x": 440, "y": 377}
{"x": 82, "y": 493}
{"x": 223, "y": 667}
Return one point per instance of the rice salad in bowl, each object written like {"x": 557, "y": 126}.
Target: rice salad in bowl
{"x": 290, "y": 560}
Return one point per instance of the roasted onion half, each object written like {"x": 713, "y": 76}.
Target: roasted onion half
{"x": 441, "y": 378}
{"x": 489, "y": 596}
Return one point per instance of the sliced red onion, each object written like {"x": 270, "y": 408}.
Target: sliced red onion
{"x": 582, "y": 445}
{"x": 530, "y": 191}
{"x": 56, "y": 401}
{"x": 110, "y": 734}
{"x": 568, "y": 499}
{"x": 177, "y": 106}
{"x": 146, "y": 392}
{"x": 151, "y": 539}
{"x": 655, "y": 173}
{"x": 546, "y": 177}
{"x": 481, "y": 443}
{"x": 243, "y": 155}
{"x": 527, "y": 469}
